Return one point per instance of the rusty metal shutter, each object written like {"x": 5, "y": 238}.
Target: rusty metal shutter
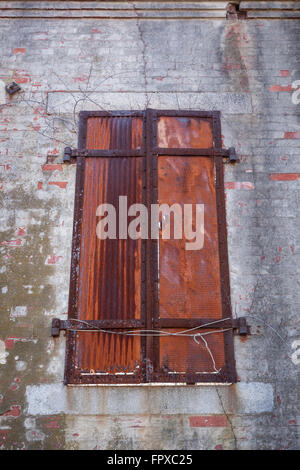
{"x": 106, "y": 283}
{"x": 127, "y": 285}
{"x": 192, "y": 287}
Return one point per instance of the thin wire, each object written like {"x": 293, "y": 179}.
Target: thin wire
{"x": 183, "y": 333}
{"x": 149, "y": 330}
{"x": 208, "y": 349}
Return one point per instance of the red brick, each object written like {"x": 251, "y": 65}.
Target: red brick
{"x": 21, "y": 77}
{"x": 60, "y": 184}
{"x": 284, "y": 176}
{"x": 14, "y": 411}
{"x": 39, "y": 185}
{"x": 281, "y": 88}
{"x": 208, "y": 421}
{"x": 12, "y": 340}
{"x": 3, "y": 436}
{"x": 21, "y": 232}
{"x": 80, "y": 79}
{"x": 284, "y": 73}
{"x": 291, "y": 135}
{"x": 239, "y": 185}
{"x": 19, "y": 50}
{"x": 54, "y": 151}
{"x": 52, "y": 167}
{"x": 17, "y": 242}
{"x": 52, "y": 425}
{"x": 52, "y": 259}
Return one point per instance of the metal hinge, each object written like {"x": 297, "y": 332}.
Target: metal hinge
{"x": 240, "y": 326}
{"x": 73, "y": 153}
{"x": 56, "y": 326}
{"x": 12, "y": 88}
{"x": 231, "y": 154}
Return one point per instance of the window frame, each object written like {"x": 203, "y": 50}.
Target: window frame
{"x": 150, "y": 154}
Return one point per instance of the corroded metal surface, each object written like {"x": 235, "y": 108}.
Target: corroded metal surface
{"x": 107, "y": 352}
{"x": 189, "y": 280}
{"x": 115, "y": 133}
{"x": 184, "y": 354}
{"x": 184, "y": 132}
{"x": 109, "y": 271}
{"x": 125, "y": 283}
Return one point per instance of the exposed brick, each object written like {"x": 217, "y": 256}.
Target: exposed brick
{"x": 52, "y": 167}
{"x": 60, "y": 184}
{"x": 284, "y": 176}
{"x": 12, "y": 340}
{"x": 3, "y": 436}
{"x": 21, "y": 232}
{"x": 52, "y": 259}
{"x": 21, "y": 77}
{"x": 17, "y": 242}
{"x": 291, "y": 135}
{"x": 281, "y": 88}
{"x": 239, "y": 185}
{"x": 13, "y": 412}
{"x": 19, "y": 50}
{"x": 208, "y": 421}
{"x": 53, "y": 424}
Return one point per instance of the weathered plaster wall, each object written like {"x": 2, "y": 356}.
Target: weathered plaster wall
{"x": 243, "y": 68}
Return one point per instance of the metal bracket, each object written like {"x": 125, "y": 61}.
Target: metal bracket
{"x": 231, "y": 154}
{"x": 240, "y": 326}
{"x": 56, "y": 326}
{"x": 12, "y": 88}
{"x": 73, "y": 153}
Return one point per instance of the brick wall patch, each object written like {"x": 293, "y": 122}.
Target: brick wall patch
{"x": 239, "y": 185}
{"x": 284, "y": 176}
{"x": 208, "y": 421}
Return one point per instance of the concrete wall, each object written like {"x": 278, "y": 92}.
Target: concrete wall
{"x": 130, "y": 58}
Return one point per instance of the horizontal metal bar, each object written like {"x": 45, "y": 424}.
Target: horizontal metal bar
{"x": 212, "y": 152}
{"x": 58, "y": 325}
{"x": 187, "y": 151}
{"x": 238, "y": 324}
{"x": 194, "y": 322}
{"x": 88, "y": 114}
{"x": 196, "y": 152}
{"x": 185, "y": 113}
{"x": 106, "y": 153}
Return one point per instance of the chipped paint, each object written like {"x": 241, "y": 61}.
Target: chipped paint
{"x": 3, "y": 352}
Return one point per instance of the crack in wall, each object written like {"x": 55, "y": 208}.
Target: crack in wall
{"x": 143, "y": 42}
